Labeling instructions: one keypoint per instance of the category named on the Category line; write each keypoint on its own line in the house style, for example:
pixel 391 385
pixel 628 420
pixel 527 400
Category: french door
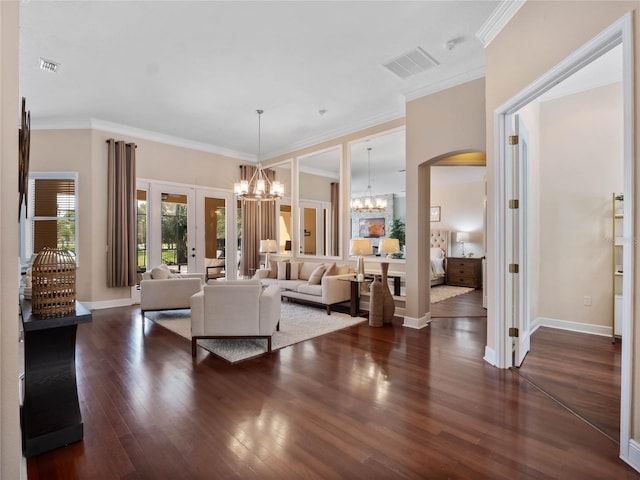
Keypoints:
pixel 186 228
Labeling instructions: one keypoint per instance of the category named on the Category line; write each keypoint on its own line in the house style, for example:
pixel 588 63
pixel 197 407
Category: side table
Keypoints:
pixel 354 306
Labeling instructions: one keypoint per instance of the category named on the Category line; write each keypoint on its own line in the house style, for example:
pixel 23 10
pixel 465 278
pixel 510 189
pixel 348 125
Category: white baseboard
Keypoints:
pixel 489 355
pixel 634 454
pixel 417 323
pixel 119 302
pixel 568 325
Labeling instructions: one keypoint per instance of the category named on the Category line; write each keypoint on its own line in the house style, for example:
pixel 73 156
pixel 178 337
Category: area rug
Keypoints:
pixel 297 324
pixel 442 292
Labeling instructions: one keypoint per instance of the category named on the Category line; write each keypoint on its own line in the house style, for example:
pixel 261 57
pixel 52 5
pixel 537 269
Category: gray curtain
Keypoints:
pixel 268 214
pixel 121 214
pixel 335 219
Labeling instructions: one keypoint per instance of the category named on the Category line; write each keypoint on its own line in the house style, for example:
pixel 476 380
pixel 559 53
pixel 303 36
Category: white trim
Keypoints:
pixel 572 326
pixel 121 129
pixel 417 323
pixel 498 19
pixel 633 458
pixel 102 304
pixel 489 356
pixel 445 84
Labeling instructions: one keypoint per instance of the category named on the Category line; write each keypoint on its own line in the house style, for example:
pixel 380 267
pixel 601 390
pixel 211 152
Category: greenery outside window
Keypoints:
pixel 52 214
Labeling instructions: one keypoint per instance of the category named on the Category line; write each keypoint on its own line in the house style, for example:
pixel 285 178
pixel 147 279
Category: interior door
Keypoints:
pixel 518 264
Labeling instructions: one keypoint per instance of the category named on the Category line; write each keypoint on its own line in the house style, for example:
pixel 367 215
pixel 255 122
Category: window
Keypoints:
pixel 51 216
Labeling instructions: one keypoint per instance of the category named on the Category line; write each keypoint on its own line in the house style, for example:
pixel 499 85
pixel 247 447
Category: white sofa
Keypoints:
pixel 235 309
pixel 162 290
pixel 331 289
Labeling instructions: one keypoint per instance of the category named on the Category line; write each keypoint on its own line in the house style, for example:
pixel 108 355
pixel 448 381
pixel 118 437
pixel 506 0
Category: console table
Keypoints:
pixel 50 414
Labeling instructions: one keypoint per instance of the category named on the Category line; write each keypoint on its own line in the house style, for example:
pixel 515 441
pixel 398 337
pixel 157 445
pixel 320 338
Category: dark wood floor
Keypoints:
pixel 582 371
pixel 363 402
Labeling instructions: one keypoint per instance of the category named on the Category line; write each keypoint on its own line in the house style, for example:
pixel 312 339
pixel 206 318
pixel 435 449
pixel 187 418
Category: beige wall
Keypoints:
pixel 540 36
pixel 10 440
pixel 85 151
pixel 581 166
pixel 460 210
pixel 450 121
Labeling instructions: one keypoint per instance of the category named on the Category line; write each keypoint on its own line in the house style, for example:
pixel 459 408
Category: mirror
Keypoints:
pixel 285 225
pixel 319 186
pixel 378 177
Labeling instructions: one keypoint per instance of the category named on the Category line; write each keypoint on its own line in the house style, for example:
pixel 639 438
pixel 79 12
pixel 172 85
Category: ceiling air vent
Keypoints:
pixel 411 63
pixel 49 65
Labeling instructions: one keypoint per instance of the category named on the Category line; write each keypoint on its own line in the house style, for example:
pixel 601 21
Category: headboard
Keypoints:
pixel 440 238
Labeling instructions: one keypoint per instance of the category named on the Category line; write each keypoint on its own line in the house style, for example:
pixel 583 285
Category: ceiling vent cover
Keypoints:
pixel 411 63
pixel 49 65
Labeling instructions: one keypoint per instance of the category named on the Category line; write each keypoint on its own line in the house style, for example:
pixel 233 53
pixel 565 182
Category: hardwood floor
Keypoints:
pixel 581 371
pixel 363 402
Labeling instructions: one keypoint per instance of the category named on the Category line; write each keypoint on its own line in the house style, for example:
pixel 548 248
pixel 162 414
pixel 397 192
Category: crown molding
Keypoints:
pixel 120 129
pixel 502 14
pixel 445 84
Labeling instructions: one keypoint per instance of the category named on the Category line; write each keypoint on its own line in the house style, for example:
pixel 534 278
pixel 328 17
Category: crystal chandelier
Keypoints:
pixel 259 188
pixel 369 204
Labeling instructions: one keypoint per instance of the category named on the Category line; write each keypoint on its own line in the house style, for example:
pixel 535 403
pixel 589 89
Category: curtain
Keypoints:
pixel 259 222
pixel 121 214
pixel 335 219
pixel 250 247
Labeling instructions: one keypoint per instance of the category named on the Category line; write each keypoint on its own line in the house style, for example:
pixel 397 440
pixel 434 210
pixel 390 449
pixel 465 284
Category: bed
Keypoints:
pixel 439 246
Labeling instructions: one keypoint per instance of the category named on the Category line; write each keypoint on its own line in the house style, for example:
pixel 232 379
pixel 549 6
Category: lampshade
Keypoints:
pixel 462 237
pixel 268 246
pixel 361 246
pixel 389 245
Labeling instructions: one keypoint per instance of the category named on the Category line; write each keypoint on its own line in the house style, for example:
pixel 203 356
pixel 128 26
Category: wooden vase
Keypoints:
pixel 376 303
pixel 389 305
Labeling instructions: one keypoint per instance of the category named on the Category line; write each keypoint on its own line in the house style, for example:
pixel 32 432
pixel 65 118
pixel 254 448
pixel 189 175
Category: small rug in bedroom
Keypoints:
pixel 297 323
pixel 442 292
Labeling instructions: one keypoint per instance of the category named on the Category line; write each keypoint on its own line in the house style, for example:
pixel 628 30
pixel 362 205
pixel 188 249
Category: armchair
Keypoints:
pixel 168 293
pixel 235 309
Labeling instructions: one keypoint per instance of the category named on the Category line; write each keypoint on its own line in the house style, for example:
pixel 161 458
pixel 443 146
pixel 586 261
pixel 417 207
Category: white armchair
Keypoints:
pixel 235 309
pixel 168 293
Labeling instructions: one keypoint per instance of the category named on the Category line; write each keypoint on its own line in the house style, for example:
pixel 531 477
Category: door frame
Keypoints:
pixel 620 32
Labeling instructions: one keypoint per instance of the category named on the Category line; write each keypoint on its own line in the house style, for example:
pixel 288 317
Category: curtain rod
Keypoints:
pixel 111 139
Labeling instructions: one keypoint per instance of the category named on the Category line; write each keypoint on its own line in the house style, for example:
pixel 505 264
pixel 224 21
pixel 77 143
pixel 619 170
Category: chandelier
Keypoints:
pixel 259 187
pixel 369 204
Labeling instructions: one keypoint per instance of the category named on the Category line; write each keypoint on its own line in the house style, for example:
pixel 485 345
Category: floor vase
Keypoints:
pixel 376 303
pixel 389 305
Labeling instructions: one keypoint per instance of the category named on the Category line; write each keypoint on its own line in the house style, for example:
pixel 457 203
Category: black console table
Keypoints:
pixel 50 414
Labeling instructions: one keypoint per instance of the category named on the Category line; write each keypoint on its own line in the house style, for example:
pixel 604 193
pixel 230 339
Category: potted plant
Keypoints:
pixel 397 231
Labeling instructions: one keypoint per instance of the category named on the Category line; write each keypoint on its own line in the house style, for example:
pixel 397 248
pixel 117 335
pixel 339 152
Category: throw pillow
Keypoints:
pixel 316 276
pixel 160 273
pixel 342 269
pixel 287 271
pixel 282 270
pixel 330 269
pixel 295 270
pixel 273 269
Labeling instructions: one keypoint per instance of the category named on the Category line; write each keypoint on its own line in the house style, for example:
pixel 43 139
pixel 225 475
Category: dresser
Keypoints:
pixel 464 272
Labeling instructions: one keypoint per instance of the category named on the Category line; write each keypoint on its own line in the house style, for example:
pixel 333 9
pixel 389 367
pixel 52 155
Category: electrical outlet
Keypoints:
pixel 587 301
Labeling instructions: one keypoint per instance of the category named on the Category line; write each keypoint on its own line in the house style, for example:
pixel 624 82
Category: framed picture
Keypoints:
pixel 371 227
pixel 435 214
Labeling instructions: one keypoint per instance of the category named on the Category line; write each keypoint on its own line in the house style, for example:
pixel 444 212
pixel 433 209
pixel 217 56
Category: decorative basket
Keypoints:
pixel 53 281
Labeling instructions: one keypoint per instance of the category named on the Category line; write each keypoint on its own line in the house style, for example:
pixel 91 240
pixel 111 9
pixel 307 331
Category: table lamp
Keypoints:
pixel 389 246
pixel 462 237
pixel 267 247
pixel 359 248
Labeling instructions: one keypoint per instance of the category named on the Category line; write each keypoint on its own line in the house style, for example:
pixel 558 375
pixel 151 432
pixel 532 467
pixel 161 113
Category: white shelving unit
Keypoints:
pixel 616 256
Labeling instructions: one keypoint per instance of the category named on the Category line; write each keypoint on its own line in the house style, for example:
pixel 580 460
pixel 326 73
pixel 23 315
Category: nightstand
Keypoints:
pixel 464 272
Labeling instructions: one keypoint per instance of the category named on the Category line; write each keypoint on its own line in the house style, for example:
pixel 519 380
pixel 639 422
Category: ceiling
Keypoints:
pixel 197 71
